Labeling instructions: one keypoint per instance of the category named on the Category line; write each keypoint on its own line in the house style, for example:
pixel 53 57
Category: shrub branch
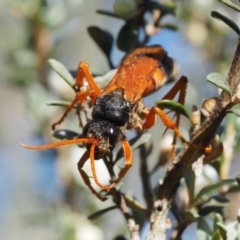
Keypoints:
pixel 184 160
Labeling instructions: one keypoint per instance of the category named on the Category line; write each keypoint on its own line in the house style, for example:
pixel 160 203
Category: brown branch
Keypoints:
pixel 184 160
pixel 118 198
pixel 145 178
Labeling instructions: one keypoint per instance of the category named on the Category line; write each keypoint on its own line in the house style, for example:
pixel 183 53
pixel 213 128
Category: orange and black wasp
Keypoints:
pixel 119 106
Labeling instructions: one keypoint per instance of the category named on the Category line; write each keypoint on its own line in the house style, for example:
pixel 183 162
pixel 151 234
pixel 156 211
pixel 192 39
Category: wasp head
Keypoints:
pixel 107 134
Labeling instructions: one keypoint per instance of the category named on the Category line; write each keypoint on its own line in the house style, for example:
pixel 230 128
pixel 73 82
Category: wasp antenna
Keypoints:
pixel 62 143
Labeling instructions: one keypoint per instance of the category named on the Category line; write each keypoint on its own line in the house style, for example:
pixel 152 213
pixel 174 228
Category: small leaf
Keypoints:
pixel 193 214
pixel 103 39
pixel 203 230
pixel 153 5
pixel 107 13
pixel 135 143
pixel 222 230
pixel 218 80
pixel 221 226
pixel 190 182
pixel 212 187
pixel 174 106
pixel 219 198
pixel 138 141
pixel 226 20
pixel 101 212
pixel 217 219
pixel 204 211
pixel 65 134
pixel 213 204
pixel 238 216
pixel 216 235
pixel 230 4
pixel 61 71
pixel 238 181
pixel 127 37
pixel 126 9
pixel 234 111
pixel 118 186
pixel 58 103
pixel 168 26
pixel 133 203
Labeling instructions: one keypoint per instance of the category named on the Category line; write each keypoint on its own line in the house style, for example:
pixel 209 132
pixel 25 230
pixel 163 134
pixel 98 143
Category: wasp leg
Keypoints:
pixel 79 98
pixel 85 177
pixel 93 92
pixel 84 72
pixel 92 150
pixel 128 162
pixel 179 87
pixel 150 121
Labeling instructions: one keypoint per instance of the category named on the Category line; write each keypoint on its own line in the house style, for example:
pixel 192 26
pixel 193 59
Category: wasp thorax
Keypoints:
pixel 112 107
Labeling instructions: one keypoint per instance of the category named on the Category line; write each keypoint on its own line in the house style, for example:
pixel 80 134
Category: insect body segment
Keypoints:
pixel 141 72
pixel 119 107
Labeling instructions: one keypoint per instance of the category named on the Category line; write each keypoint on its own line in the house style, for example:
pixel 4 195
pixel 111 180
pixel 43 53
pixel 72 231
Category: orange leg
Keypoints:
pixel 84 72
pixel 180 87
pixel 128 162
pixel 150 121
pixel 107 188
pixel 85 177
pixel 79 98
pixel 93 92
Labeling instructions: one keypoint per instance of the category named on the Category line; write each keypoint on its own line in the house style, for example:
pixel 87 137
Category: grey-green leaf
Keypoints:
pixel 174 106
pixel 65 134
pixel 153 5
pixel 221 226
pixel 235 111
pixel 101 212
pixel 218 80
pixel 238 216
pixel 230 4
pixel 169 26
pixel 203 230
pixel 193 214
pixel 222 230
pixel 226 20
pixel 212 187
pixel 103 39
pixel 127 37
pixel 204 211
pixel 135 143
pixel 60 69
pixel 190 178
pixel 216 235
pixel 107 13
pixel 58 103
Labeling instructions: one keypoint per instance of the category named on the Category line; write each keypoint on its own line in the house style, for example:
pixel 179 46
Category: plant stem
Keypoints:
pixel 230 4
pixel 184 160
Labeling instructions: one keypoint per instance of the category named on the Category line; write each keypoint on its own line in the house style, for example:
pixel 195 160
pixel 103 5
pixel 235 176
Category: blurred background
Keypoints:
pixel 41 193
